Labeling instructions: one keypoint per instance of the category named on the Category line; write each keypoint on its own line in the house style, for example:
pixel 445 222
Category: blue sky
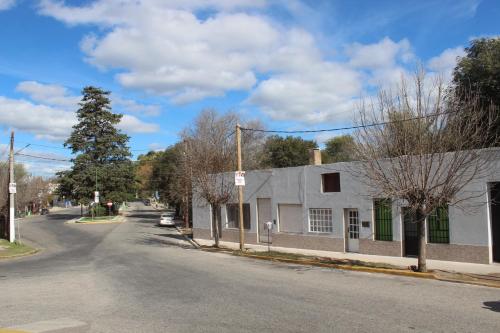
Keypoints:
pixel 292 64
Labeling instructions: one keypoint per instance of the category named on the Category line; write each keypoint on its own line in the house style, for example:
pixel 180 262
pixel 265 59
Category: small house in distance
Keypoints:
pixel 326 207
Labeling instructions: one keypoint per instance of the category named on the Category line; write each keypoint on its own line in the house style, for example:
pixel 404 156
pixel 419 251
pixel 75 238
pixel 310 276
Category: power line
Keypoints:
pixel 44 158
pixel 345 128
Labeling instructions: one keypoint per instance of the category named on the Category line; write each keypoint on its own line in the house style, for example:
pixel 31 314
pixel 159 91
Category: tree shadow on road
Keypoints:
pixel 493 306
pixel 170 240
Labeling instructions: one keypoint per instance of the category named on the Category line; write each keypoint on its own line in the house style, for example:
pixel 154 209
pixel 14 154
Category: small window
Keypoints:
pixel 232 212
pixel 331 182
pixel 320 220
pixel 383 219
pixel 439 227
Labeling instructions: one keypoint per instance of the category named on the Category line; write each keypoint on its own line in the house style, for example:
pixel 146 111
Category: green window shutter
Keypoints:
pixel 383 219
pixel 439 226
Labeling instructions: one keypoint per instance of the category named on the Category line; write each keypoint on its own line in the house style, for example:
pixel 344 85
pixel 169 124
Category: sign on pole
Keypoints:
pixel 109 204
pixel 239 178
pixel 96 196
pixel 12 188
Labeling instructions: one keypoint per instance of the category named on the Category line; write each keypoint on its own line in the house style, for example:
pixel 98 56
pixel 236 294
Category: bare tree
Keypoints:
pixel 415 147
pixel 211 152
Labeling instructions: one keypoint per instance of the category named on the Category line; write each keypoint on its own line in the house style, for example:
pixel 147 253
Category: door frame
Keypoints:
pixel 346 229
pixel 403 238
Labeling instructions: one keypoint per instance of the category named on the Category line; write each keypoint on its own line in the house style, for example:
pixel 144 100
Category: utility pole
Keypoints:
pixel 12 190
pixel 186 184
pixel 240 188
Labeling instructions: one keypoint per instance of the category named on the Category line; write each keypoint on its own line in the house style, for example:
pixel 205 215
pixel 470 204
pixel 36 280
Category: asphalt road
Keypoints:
pixel 133 277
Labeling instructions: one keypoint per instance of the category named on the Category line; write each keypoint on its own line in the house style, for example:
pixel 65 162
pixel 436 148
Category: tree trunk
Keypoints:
pixel 422 248
pixel 216 225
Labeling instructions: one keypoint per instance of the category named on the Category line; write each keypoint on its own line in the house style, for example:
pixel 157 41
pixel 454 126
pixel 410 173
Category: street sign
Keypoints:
pixel 109 204
pixel 96 197
pixel 239 178
pixel 12 188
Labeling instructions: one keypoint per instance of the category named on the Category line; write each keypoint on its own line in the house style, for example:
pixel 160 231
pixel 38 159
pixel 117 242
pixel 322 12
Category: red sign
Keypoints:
pixel 110 204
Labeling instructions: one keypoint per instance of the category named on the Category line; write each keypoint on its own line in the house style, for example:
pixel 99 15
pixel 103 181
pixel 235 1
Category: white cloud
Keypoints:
pixel 132 124
pixel 45 122
pixel 164 48
pixel 51 113
pixel 379 55
pixel 324 92
pixel 155 146
pixel 132 106
pixel 7 4
pixel 50 94
pixel 446 61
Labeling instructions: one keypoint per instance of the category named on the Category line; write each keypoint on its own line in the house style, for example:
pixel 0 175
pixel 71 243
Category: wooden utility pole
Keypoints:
pixel 240 188
pixel 12 184
pixel 187 181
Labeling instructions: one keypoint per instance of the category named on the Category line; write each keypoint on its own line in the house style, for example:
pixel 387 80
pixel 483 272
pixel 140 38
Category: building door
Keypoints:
pixel 290 218
pixel 265 214
pixel 352 228
pixel 495 220
pixel 411 234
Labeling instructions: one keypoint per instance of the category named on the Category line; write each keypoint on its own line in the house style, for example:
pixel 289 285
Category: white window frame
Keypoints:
pixel 324 224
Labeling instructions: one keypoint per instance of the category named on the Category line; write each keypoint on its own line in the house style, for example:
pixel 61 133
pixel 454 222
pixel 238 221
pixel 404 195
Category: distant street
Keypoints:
pixel 134 277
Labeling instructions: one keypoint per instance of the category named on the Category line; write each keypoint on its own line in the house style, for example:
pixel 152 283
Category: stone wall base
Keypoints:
pixel 321 243
pixel 445 252
pixel 381 248
pixel 461 253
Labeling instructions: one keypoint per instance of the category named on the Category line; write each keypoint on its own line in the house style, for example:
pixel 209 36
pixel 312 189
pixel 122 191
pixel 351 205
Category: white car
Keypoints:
pixel 167 219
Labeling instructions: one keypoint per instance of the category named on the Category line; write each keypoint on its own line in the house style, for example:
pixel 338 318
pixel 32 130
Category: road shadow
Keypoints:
pixel 493 306
pixel 169 240
pixel 60 217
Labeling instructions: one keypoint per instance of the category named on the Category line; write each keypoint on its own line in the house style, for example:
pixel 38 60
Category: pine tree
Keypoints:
pixel 103 161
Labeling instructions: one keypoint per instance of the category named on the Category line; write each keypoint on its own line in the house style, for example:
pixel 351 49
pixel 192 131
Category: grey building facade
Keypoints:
pixel 326 207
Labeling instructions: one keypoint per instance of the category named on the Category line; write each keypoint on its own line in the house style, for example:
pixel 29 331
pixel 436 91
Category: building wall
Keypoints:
pixel 469 224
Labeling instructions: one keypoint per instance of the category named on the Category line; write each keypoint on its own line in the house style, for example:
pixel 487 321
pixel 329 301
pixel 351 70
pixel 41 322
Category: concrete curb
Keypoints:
pixel 119 219
pixel 357 268
pixel 336 266
pixel 29 253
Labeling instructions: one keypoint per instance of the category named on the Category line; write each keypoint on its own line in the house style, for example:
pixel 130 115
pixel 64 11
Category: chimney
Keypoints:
pixel 315 156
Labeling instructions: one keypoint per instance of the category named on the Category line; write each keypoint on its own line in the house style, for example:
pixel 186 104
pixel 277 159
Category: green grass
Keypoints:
pixel 96 219
pixel 13 249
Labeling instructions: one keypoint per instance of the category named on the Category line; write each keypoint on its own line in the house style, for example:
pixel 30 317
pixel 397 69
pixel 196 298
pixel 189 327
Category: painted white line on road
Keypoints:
pixel 50 325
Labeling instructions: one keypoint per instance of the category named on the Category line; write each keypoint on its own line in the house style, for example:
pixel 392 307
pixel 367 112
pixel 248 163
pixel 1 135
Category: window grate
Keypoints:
pixel 439 226
pixel 383 219
pixel 320 220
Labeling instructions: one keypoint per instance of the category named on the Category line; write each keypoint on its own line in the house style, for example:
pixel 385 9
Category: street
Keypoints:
pixel 134 277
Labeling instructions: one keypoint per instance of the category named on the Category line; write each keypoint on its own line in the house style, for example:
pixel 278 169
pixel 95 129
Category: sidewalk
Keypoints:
pixel 449 266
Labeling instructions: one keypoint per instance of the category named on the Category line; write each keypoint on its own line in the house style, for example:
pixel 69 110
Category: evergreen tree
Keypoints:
pixel 282 152
pixel 478 72
pixel 103 161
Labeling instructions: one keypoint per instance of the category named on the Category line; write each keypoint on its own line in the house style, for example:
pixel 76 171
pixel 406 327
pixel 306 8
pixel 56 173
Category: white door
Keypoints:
pixel 352 224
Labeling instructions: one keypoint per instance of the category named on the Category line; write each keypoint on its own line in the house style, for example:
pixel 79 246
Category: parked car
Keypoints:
pixel 44 211
pixel 167 219
pixel 147 202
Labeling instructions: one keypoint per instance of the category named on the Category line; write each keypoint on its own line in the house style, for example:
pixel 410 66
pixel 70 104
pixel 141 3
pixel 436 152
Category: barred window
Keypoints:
pixel 320 220
pixel 383 219
pixel 438 224
pixel 233 217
